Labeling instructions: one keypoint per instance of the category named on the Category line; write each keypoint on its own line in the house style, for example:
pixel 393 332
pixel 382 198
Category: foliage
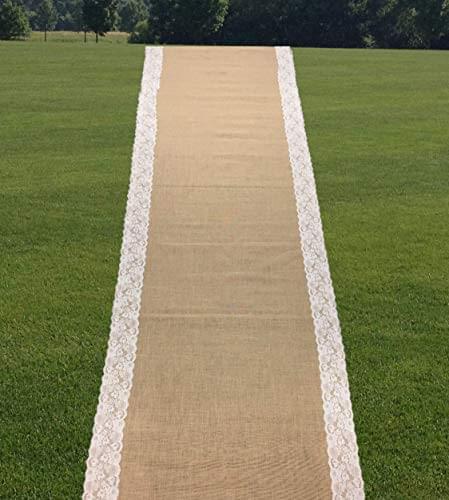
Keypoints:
pixel 100 15
pixel 322 23
pixel 74 19
pixel 293 22
pixel 13 21
pixel 46 16
pixel 185 21
pixel 339 23
pixel 140 34
pixel 408 23
pixel 130 13
pixel 325 23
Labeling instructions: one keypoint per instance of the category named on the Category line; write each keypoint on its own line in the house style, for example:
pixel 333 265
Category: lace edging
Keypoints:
pixel 103 463
pixel 346 476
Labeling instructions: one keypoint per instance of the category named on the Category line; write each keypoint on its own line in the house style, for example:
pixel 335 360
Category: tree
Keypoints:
pixel 139 33
pixel 405 23
pixel 328 23
pixel 432 21
pixel 185 21
pixel 100 16
pixel 76 15
pixel 46 16
pixel 14 22
pixel 130 13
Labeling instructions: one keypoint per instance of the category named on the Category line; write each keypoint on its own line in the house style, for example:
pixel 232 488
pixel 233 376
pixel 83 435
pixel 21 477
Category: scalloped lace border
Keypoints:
pixel 346 476
pixel 103 463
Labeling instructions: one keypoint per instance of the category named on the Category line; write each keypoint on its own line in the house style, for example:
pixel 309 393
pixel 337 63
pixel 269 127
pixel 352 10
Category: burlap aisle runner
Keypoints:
pixel 225 376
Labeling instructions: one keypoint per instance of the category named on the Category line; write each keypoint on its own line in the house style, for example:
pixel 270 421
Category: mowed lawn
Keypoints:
pixel 378 127
pixel 66 133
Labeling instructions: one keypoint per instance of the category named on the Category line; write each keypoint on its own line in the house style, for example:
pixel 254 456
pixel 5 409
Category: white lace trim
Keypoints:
pixel 103 464
pixel 347 482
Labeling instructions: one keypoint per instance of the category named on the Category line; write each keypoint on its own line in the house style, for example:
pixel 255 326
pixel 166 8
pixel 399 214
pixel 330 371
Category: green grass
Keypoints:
pixel 378 129
pixel 66 133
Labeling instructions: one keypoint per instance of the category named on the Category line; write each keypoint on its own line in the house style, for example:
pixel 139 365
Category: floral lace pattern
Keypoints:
pixel 103 464
pixel 346 477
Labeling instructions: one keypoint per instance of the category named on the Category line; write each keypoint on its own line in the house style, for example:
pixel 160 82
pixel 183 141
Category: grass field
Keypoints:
pixel 379 136
pixel 66 133
pixel 378 128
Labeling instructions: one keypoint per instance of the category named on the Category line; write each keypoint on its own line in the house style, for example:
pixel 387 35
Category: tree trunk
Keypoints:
pixel 85 36
pixel 45 34
pixel 96 37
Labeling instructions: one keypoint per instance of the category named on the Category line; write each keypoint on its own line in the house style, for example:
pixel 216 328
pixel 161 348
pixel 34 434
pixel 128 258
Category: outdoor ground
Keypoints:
pixel 66 133
pixel 379 137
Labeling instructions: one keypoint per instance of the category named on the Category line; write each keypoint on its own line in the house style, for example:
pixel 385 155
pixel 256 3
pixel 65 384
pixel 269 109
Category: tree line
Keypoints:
pixel 19 17
pixel 321 23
